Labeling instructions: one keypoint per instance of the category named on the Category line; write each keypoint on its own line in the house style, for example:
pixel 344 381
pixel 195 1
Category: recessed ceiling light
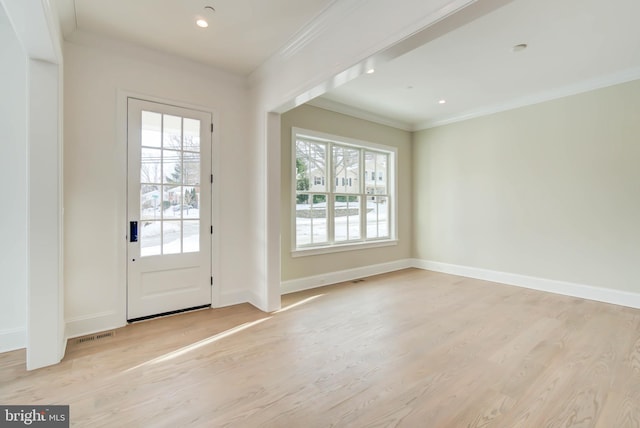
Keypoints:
pixel 442 102
pixel 371 71
pixel 519 48
pixel 202 23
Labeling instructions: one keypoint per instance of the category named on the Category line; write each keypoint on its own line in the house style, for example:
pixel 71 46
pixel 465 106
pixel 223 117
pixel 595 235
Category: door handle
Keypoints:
pixel 133 231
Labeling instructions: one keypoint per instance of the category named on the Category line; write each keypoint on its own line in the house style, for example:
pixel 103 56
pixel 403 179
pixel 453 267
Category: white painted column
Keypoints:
pixel 44 255
pixel 13 173
pixel 273 263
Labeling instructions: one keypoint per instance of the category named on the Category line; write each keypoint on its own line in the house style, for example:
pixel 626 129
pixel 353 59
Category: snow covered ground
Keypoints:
pixel 173 212
pixel 173 236
pixel 170 236
pixel 314 230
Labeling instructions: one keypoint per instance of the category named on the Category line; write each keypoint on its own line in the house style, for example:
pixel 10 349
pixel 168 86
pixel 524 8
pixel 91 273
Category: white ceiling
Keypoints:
pixel 241 35
pixel 573 45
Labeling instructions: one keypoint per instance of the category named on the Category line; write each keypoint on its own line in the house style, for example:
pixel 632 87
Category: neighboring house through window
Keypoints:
pixel 343 192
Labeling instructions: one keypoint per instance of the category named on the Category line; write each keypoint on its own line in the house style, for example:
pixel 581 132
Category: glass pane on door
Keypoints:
pixel 191 135
pixel 170 177
pixel 151 130
pixel 171 132
pixel 150 166
pixel 150 202
pixel 150 238
pixel 191 236
pixel 191 168
pixel 171 237
pixel 172 166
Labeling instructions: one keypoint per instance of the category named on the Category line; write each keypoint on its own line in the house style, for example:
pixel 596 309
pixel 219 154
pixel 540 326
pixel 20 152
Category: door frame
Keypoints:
pixel 121 146
pixel 173 295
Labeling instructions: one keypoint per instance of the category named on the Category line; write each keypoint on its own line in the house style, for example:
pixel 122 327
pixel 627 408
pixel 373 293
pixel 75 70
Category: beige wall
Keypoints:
pixel 551 190
pixel 321 120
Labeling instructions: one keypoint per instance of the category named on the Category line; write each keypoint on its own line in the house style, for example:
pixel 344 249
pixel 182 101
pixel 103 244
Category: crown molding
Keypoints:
pixel 584 86
pixel 348 110
pixel 314 28
pixel 68 16
pixel 35 24
pixel 588 85
pixel 296 62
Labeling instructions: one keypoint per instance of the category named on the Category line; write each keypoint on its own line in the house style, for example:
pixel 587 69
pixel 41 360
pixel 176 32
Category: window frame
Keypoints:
pixel 332 245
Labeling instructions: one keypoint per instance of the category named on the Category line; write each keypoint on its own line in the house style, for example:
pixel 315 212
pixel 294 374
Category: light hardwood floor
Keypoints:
pixel 412 349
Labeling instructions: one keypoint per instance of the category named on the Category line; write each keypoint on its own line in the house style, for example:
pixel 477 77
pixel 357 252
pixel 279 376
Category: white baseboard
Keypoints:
pixel 12 339
pixel 109 320
pixel 235 298
pixel 589 292
pixel 94 323
pixel 256 300
pixel 310 282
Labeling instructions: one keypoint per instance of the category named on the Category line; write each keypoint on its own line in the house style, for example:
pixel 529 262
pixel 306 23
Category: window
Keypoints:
pixel 356 208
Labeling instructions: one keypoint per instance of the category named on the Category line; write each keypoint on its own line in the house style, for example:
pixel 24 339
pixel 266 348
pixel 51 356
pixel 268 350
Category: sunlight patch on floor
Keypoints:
pixel 197 345
pixel 300 303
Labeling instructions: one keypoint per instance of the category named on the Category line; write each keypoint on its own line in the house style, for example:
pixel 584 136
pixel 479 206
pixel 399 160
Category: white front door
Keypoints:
pixel 169 209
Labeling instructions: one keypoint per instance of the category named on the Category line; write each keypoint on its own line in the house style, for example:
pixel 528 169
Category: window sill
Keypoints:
pixel 314 251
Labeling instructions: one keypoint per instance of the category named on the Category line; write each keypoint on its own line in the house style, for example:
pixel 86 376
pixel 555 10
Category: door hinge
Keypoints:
pixel 212 128
pixel 211 280
pixel 212 230
pixel 212 178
